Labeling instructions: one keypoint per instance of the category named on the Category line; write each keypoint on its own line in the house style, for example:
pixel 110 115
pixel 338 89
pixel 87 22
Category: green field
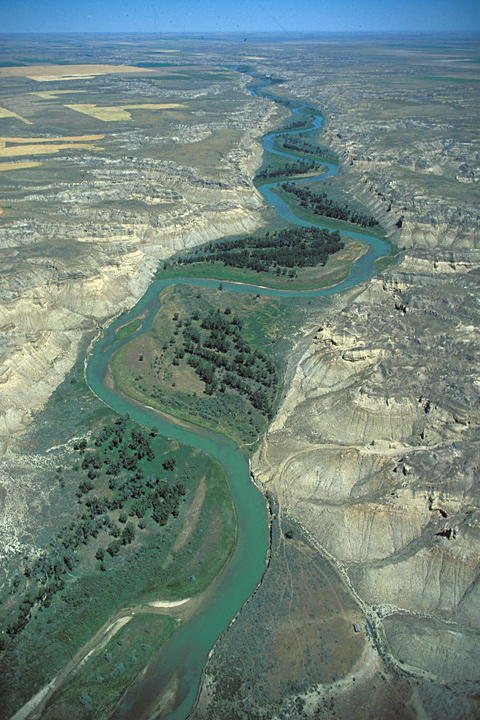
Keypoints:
pixel 100 681
pixel 126 330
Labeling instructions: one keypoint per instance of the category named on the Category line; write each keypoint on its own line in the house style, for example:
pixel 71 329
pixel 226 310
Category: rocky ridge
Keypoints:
pixel 375 450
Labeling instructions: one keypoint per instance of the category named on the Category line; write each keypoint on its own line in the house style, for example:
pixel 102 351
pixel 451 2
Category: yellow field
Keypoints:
pixel 17 166
pixel 4 113
pixel 53 94
pixel 16 151
pixel 118 112
pixel 17 146
pixel 47 73
pixel 74 138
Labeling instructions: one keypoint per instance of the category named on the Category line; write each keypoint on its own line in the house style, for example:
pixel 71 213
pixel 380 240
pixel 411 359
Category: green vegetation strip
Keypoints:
pixel 303 149
pixel 320 204
pixel 280 252
pixel 288 169
pixel 309 214
pixel 305 279
pixel 108 672
pixel 126 330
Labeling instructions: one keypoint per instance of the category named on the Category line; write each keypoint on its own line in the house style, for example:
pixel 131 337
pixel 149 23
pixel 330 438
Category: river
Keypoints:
pixel 177 668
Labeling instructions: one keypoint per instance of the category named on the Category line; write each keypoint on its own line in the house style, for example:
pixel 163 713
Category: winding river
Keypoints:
pixel 177 668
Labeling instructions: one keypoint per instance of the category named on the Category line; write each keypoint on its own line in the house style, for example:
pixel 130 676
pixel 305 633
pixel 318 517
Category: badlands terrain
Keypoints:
pixel 371 461
pixel 105 171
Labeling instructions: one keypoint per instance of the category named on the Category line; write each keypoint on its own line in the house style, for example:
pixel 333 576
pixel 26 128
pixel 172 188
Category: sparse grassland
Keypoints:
pixel 304 640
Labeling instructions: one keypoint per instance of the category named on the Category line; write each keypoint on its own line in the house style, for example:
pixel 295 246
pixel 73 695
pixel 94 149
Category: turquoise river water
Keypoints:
pixel 179 664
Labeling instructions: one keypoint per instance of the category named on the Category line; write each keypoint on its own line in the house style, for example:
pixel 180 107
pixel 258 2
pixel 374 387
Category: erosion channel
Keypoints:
pixel 172 680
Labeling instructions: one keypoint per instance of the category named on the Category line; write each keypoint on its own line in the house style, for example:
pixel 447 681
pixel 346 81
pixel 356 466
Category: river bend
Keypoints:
pixel 179 664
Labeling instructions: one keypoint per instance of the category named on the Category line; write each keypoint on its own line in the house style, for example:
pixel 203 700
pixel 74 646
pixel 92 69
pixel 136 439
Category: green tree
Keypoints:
pixel 128 534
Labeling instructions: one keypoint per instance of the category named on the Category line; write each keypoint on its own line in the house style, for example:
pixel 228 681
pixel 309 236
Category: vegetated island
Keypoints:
pixel 203 362
pixel 304 149
pixel 279 252
pixel 301 167
pixel 321 204
pixel 294 258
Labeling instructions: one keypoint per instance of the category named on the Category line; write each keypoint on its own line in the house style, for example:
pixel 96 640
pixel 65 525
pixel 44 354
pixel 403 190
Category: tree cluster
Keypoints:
pixel 298 168
pixel 275 252
pixel 320 204
pixel 116 454
pixel 297 144
pixel 221 357
pixel 298 124
pixel 213 345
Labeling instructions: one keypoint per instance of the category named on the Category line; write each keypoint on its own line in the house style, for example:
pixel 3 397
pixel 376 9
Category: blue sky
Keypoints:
pixel 238 15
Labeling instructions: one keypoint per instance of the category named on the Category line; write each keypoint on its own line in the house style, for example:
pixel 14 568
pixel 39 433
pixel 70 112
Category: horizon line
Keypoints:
pixel 201 33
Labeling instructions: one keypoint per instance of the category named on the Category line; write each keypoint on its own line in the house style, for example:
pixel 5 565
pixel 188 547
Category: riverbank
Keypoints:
pixel 238 580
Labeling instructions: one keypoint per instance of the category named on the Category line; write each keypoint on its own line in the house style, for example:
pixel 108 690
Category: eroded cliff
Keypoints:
pixel 375 449
pixel 82 236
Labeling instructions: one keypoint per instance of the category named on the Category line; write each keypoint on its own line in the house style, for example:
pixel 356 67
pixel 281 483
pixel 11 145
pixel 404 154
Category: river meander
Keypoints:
pixel 177 668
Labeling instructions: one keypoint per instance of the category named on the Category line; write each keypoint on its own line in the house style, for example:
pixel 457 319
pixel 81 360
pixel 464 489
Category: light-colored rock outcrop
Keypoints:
pixel 46 316
pixel 374 447
pixel 76 254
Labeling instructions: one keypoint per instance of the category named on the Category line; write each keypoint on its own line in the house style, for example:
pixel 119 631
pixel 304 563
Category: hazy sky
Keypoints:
pixel 237 15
